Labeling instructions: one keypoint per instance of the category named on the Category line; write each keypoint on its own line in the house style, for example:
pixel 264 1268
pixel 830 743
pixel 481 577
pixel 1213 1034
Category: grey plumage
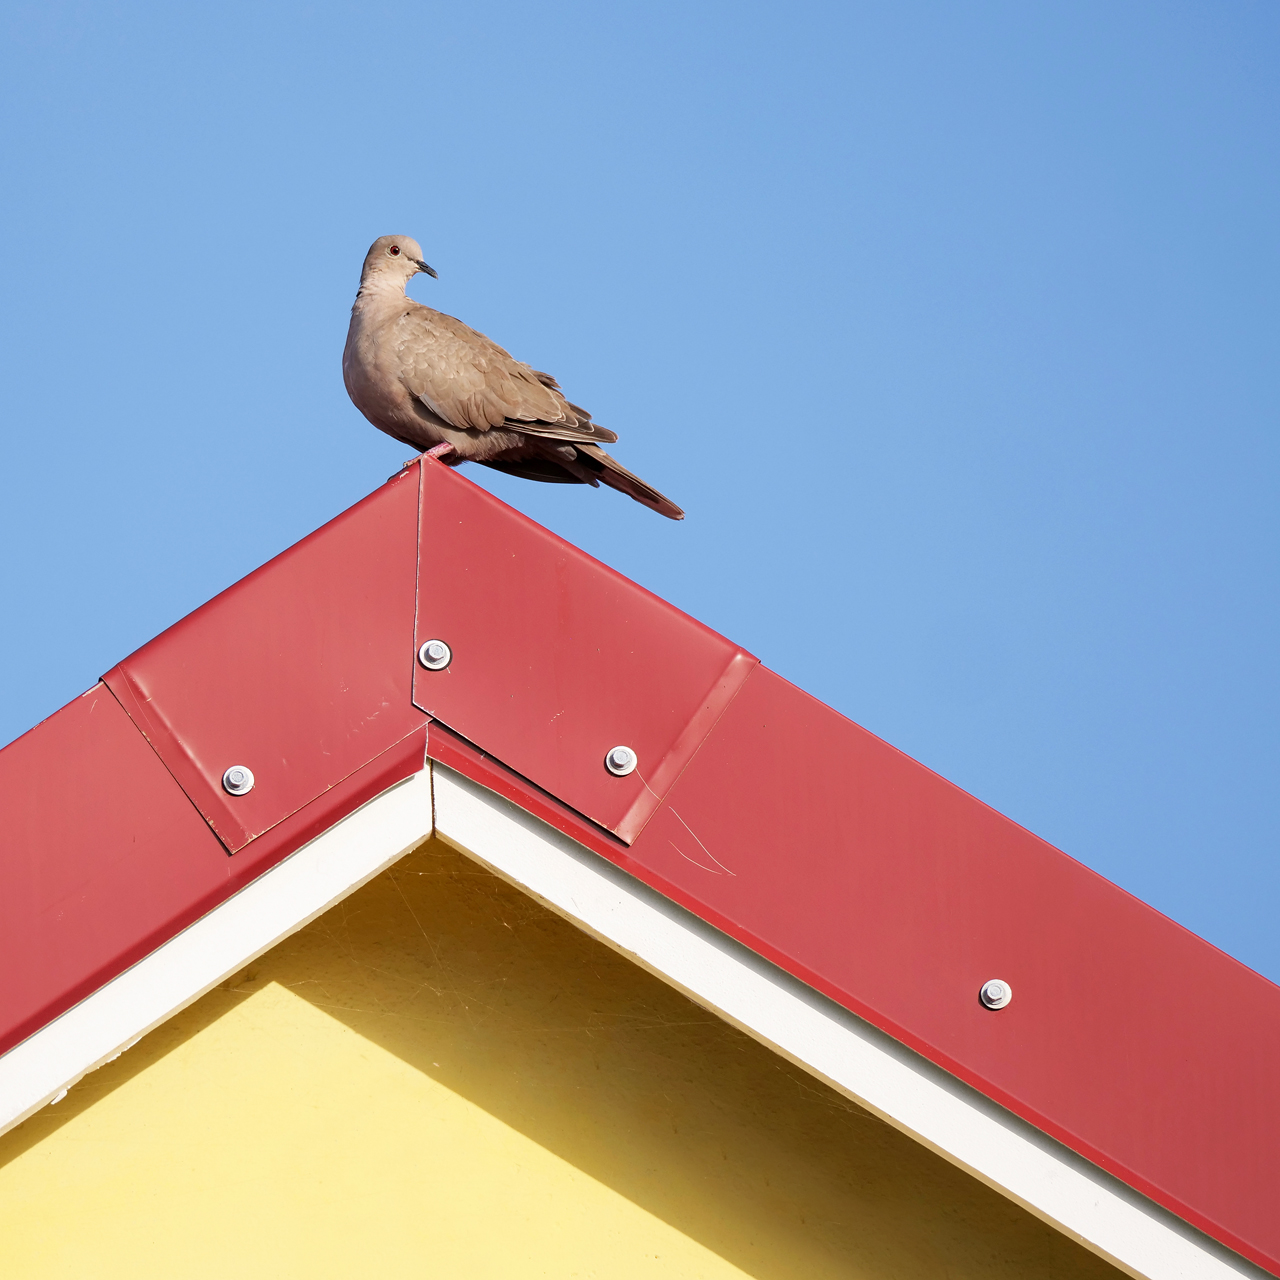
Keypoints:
pixel 427 379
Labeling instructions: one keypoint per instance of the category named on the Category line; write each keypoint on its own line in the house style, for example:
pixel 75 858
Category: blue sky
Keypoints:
pixel 953 327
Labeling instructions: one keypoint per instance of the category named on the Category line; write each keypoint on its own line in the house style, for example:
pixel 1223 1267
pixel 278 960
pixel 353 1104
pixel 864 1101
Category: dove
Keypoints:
pixel 431 382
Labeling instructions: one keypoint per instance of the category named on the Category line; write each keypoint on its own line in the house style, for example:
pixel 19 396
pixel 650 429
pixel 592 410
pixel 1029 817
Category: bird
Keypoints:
pixel 432 382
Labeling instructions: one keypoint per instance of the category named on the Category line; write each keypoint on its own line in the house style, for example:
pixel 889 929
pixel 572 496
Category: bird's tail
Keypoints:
pixel 611 472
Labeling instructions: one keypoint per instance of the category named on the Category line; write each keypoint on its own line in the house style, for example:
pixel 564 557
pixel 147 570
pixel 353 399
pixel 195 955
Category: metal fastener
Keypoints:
pixel 435 655
pixel 238 780
pixel 621 761
pixel 995 993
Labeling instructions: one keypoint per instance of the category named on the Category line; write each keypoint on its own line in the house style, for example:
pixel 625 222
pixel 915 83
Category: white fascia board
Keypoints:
pixel 281 901
pixel 836 1046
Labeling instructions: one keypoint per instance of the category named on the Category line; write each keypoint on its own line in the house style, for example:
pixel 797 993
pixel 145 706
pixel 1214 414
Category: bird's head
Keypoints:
pixel 393 260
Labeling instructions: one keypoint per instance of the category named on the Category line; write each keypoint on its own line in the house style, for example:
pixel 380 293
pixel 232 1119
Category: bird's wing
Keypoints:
pixel 473 384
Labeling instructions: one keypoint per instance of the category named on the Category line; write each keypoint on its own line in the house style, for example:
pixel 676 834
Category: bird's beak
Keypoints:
pixel 422 266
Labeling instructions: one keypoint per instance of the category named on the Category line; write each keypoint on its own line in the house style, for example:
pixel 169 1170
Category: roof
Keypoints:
pixel 769 856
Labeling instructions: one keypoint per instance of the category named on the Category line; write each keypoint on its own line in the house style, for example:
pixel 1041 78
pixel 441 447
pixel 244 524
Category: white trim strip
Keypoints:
pixel 861 1062
pixel 279 902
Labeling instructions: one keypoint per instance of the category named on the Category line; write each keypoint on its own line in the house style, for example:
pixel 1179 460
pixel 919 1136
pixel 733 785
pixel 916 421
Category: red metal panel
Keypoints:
pixel 301 671
pixel 399 761
pixel 455 751
pixel 105 858
pixel 102 855
pixel 769 815
pixel 895 893
pixel 557 658
pixel 889 889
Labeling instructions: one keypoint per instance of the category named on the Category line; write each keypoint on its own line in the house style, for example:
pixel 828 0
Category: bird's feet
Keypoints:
pixel 440 451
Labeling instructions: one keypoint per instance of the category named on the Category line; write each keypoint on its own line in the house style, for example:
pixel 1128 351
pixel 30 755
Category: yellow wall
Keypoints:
pixel 439 1078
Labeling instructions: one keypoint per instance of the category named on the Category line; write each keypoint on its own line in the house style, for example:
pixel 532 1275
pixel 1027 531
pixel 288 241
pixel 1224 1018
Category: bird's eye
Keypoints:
pixel 394 250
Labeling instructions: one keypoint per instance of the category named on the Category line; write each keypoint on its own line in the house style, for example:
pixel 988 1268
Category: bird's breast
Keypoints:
pixel 372 376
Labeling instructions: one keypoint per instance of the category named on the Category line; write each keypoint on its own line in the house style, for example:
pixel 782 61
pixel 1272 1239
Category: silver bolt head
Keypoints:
pixel 435 655
pixel 995 993
pixel 621 761
pixel 238 780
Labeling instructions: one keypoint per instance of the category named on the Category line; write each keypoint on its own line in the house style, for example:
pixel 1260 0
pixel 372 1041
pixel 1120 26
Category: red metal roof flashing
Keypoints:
pixel 1135 1043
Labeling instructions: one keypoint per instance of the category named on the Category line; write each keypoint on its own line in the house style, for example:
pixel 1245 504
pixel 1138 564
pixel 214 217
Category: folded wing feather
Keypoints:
pixel 472 383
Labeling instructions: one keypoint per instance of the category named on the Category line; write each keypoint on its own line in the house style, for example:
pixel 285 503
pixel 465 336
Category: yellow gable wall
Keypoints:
pixel 440 1078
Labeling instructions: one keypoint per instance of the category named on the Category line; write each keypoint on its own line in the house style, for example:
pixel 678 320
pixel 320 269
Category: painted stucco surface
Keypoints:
pixel 441 1078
